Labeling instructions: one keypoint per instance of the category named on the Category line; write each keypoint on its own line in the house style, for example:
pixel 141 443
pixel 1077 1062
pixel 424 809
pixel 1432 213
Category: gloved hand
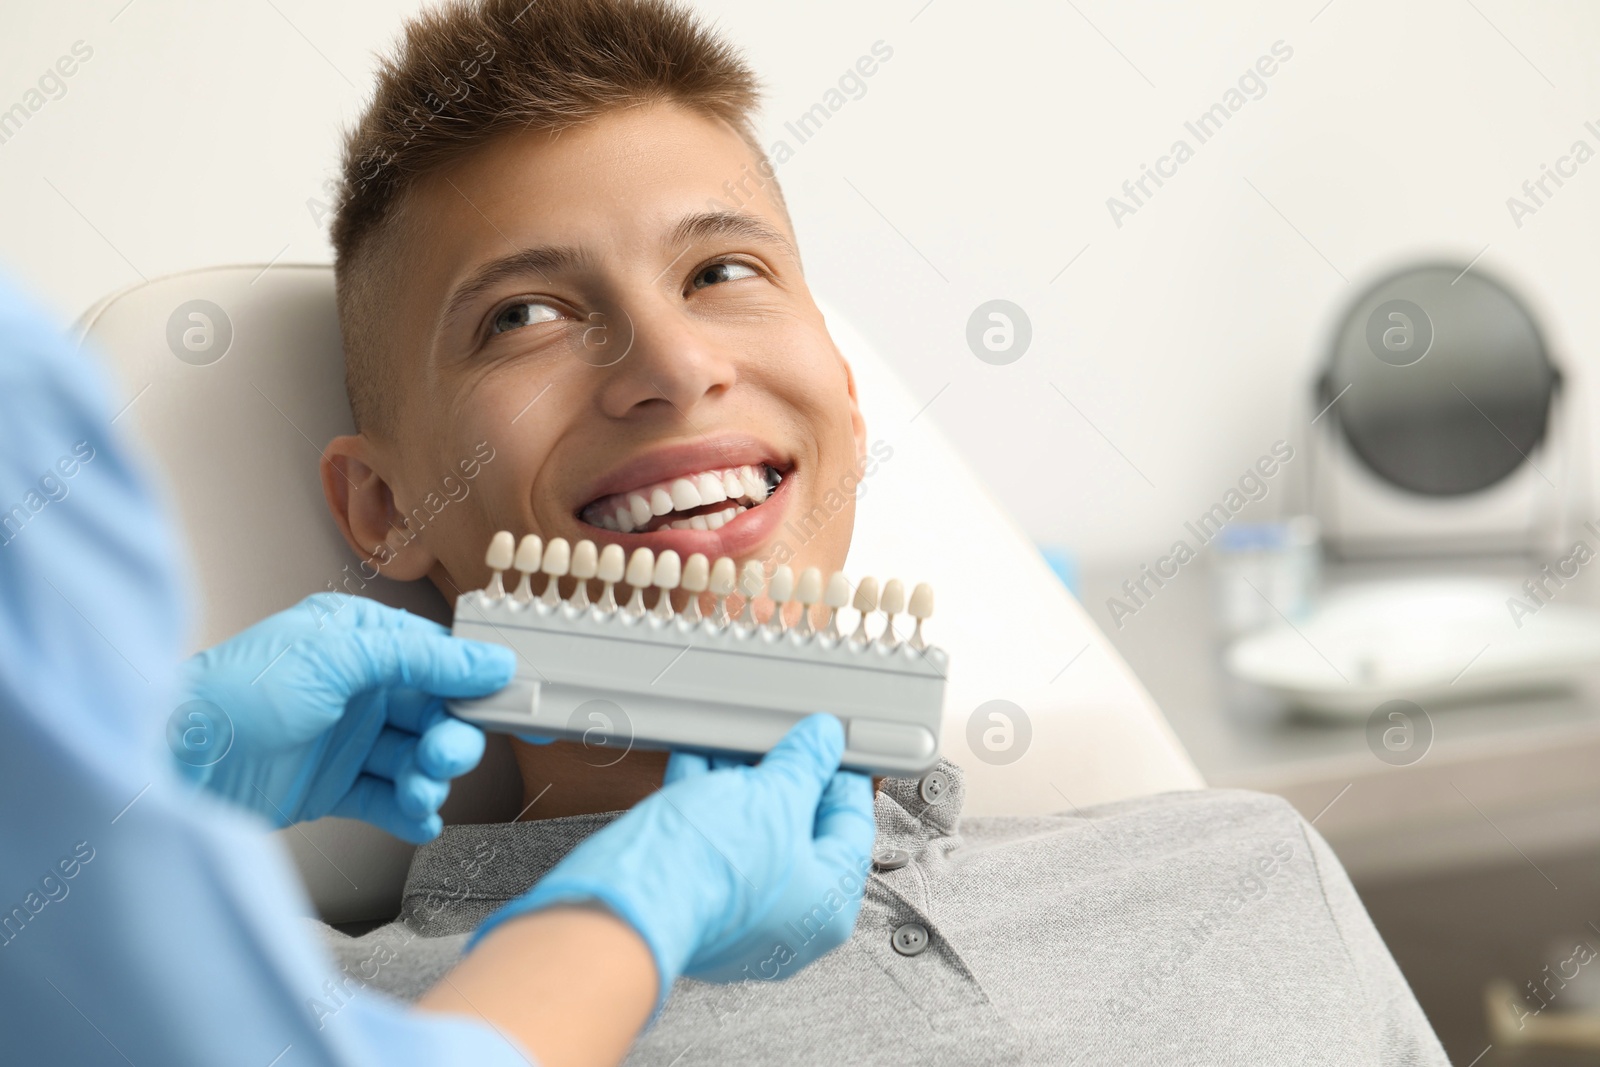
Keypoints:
pixel 332 707
pixel 730 871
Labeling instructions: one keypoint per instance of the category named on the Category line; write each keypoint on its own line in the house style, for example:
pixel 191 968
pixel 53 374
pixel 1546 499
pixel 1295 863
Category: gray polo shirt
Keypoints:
pixel 1204 927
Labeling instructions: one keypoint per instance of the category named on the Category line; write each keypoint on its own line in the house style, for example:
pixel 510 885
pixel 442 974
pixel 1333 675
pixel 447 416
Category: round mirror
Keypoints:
pixel 1442 381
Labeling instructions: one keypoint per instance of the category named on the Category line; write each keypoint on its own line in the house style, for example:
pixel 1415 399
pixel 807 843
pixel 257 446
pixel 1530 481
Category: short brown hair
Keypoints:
pixel 469 71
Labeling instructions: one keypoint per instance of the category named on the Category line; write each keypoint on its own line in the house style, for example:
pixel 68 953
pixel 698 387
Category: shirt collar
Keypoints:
pixel 501 861
pixel 938 810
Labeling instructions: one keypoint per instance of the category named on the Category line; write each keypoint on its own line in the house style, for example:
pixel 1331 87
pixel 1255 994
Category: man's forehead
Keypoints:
pixel 614 166
pixel 642 177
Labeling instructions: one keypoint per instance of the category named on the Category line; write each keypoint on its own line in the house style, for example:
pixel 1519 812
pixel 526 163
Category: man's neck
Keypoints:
pixel 567 778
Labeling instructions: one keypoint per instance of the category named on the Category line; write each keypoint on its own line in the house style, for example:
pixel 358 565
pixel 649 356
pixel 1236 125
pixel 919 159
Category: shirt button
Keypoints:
pixel 909 939
pixel 934 786
pixel 890 859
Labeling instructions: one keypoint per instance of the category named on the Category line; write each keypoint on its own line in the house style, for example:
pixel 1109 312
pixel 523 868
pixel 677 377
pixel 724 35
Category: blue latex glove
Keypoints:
pixel 332 707
pixel 731 872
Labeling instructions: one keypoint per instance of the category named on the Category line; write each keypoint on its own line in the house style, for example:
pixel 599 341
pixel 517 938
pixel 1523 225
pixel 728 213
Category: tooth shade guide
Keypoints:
pixel 696 579
pixel 921 609
pixel 724 580
pixel 917 641
pixel 691 612
pixel 640 574
pixel 499 557
pixel 668 573
pixel 891 603
pixel 808 591
pixel 780 589
pixel 865 602
pixel 888 697
pixel 836 596
pixel 557 559
pixel 530 551
pixel 610 569
pixel 585 565
pixel 752 580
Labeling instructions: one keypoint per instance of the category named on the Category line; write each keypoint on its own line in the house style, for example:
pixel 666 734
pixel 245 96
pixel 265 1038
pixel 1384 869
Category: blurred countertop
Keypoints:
pixel 1501 777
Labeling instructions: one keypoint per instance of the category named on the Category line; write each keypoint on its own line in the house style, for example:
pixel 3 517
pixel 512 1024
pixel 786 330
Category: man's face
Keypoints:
pixel 594 309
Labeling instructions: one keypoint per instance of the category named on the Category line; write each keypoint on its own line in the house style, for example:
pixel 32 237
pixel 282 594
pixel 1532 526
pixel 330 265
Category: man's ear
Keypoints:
pixel 858 425
pixel 362 503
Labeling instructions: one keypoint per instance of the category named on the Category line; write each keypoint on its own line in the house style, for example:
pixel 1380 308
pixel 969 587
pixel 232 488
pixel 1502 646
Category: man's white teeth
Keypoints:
pixel 711 521
pixel 710 487
pixel 685 495
pixel 744 487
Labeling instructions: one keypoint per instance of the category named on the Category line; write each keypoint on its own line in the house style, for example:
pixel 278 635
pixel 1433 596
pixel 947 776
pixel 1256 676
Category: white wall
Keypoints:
pixel 197 133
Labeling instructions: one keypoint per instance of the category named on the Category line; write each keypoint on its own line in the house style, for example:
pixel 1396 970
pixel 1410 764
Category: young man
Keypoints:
pixel 559 236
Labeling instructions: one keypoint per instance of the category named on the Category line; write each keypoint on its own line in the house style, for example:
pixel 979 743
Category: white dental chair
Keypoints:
pixel 233 400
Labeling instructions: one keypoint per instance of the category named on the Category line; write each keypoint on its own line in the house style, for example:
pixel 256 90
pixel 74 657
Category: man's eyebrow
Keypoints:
pixel 708 224
pixel 550 259
pixel 553 259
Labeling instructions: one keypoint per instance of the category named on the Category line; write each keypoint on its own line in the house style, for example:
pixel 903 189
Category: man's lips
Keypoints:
pixel 740 537
pixel 697 500
pixel 701 453
pixel 721 495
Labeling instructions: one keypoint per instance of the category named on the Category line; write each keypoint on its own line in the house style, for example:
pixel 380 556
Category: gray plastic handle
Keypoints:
pixel 615 679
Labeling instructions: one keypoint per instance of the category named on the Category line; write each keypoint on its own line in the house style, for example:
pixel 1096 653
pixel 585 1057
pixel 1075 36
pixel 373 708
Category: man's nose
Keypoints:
pixel 670 361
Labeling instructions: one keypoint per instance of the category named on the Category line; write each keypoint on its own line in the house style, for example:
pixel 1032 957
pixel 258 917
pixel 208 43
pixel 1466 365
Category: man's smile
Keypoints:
pixel 716 495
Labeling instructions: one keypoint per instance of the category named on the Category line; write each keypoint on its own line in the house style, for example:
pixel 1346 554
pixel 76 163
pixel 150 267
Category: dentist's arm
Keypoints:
pixel 573 984
pixel 140 920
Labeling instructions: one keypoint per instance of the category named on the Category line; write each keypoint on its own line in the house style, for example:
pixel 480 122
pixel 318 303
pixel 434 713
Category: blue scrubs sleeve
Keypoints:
pixel 140 921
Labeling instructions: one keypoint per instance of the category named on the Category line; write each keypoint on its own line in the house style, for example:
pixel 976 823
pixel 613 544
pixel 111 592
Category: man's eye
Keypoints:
pixel 525 313
pixel 723 272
